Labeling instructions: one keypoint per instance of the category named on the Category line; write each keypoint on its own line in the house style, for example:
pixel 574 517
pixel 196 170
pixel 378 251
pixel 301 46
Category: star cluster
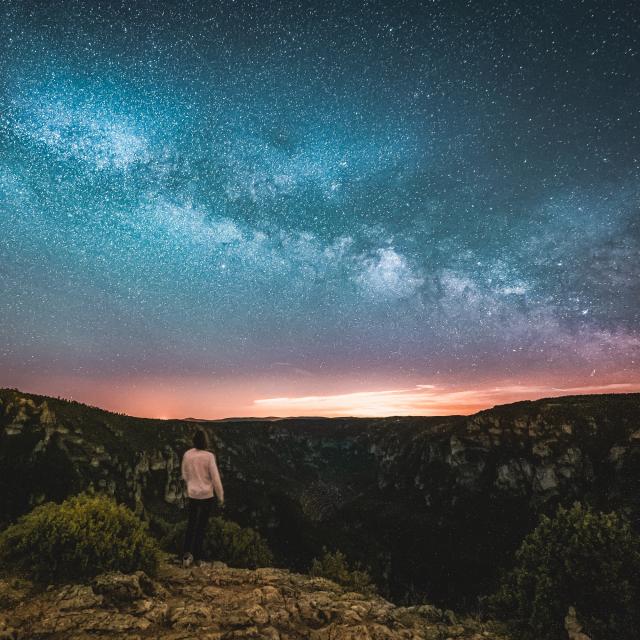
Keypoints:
pixel 254 200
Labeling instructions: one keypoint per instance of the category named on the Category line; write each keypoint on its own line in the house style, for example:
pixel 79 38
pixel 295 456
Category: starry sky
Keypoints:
pixel 215 208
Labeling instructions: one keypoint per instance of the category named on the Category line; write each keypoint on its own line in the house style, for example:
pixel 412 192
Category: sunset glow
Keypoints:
pixel 155 398
pixel 425 400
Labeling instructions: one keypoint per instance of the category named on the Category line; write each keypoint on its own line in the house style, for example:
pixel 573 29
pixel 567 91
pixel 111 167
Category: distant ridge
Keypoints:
pixel 247 419
pixel 267 418
pixel 517 404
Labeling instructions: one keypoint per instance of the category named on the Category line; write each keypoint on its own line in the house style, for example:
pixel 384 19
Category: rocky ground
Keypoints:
pixel 216 602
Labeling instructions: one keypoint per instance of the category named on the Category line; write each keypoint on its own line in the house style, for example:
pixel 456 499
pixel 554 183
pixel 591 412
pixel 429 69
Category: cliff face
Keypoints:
pixel 434 506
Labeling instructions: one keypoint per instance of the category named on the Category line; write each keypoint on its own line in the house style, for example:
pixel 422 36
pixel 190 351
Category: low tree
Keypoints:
pixel 579 558
pixel 334 566
pixel 228 542
pixel 83 536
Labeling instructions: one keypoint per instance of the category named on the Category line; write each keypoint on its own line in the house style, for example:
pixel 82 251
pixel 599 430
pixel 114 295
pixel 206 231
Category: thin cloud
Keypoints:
pixel 429 400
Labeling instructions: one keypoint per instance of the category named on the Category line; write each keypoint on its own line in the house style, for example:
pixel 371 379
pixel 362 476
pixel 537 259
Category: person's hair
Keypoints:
pixel 200 440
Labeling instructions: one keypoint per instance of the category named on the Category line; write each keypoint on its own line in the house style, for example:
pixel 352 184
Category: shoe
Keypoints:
pixel 187 560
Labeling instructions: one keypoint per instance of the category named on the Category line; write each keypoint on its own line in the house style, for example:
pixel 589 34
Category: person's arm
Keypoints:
pixel 185 476
pixel 215 477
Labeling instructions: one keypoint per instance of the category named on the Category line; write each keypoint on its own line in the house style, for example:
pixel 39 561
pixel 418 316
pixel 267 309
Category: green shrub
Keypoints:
pixel 228 542
pixel 83 536
pixel 579 558
pixel 334 566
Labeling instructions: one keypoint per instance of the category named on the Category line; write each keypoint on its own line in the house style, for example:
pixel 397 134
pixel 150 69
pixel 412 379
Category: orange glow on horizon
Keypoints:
pixel 201 399
pixel 427 400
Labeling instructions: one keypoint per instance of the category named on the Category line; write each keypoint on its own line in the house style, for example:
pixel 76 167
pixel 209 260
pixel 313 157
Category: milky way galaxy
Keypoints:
pixel 261 208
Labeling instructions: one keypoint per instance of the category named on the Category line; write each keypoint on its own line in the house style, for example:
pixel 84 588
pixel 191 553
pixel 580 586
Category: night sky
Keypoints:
pixel 287 208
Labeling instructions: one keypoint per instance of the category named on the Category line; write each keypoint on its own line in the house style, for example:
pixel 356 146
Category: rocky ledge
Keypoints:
pixel 216 602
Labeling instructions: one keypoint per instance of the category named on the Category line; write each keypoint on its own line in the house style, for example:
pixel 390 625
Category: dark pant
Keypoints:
pixel 199 511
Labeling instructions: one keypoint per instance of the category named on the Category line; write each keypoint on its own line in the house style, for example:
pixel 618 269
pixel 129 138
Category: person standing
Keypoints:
pixel 200 472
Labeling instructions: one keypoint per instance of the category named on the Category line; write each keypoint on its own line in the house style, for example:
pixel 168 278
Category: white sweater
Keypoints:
pixel 200 472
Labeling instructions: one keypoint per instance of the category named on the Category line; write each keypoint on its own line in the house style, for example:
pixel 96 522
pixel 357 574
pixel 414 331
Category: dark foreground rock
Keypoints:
pixel 217 603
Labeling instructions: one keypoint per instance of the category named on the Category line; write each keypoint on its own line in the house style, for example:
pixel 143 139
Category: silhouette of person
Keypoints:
pixel 200 472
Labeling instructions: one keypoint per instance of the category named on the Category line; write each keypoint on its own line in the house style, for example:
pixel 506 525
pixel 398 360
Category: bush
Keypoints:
pixel 334 566
pixel 226 541
pixel 83 536
pixel 580 558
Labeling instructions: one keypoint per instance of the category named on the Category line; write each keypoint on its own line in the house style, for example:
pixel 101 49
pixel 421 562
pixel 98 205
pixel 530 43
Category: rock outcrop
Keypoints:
pixel 220 603
pixel 573 627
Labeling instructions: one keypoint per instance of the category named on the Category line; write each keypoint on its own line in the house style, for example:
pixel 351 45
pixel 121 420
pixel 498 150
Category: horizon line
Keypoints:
pixel 632 388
